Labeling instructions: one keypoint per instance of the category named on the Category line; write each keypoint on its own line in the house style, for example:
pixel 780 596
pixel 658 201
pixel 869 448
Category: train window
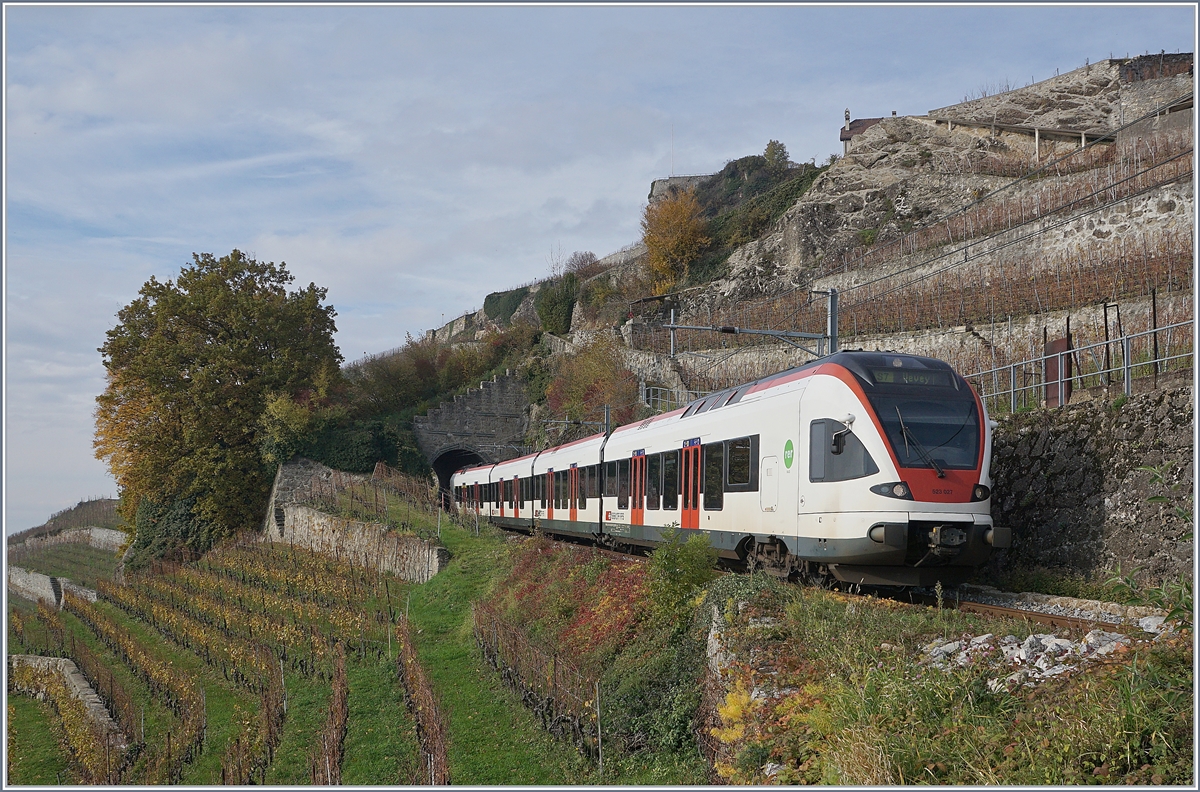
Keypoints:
pixel 851 461
pixel 670 476
pixel 623 484
pixel 610 479
pixel 539 489
pixel 741 474
pixel 653 480
pixel 584 476
pixel 560 490
pixel 593 489
pixel 714 491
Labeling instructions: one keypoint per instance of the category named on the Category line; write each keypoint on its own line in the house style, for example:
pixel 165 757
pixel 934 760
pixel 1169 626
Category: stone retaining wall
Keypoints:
pixel 80 689
pixel 100 538
pixel 366 544
pixel 33 586
pixel 1068 483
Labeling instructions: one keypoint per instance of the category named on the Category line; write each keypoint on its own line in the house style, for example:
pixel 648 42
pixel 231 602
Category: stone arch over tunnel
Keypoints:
pixel 494 416
pixel 451 459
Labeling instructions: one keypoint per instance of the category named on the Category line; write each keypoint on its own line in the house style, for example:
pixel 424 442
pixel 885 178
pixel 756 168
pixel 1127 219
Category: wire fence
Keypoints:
pixel 564 698
pixel 662 400
pixel 1035 382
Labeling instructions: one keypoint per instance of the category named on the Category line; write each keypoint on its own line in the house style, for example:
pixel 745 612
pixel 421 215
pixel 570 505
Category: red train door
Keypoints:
pixel 502 485
pixel 573 492
pixel 637 469
pixel 690 470
pixel 477 502
pixel 516 496
pixel 550 494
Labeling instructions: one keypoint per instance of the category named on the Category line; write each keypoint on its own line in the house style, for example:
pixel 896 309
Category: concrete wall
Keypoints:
pixel 662 188
pixel 1068 483
pixel 365 544
pixel 291 480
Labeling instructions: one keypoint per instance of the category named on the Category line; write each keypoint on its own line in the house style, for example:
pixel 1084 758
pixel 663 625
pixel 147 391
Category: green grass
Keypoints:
pixel 81 563
pixel 38 756
pixel 222 699
pixel 864 714
pixel 381 738
pixel 308 701
pixel 158 719
pixel 493 738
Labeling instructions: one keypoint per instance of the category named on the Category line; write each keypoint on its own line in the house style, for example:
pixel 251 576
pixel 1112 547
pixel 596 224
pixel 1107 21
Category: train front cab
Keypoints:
pixel 897 486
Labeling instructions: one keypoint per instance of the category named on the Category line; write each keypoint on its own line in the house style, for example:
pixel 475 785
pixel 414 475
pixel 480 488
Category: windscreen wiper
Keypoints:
pixel 907 434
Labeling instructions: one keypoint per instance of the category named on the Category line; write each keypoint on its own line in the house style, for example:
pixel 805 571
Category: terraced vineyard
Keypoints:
pixel 78 562
pixel 230 661
pixel 269 664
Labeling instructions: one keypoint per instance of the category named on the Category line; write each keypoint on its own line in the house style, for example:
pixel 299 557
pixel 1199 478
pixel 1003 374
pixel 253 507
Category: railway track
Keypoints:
pixel 1020 614
pixel 922 598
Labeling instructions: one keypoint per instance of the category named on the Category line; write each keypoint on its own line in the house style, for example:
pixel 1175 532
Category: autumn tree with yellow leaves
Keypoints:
pixel 673 232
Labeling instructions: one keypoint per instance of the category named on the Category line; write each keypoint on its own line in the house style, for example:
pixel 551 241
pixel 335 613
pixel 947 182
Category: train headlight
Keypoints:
pixel 897 489
pixel 980 493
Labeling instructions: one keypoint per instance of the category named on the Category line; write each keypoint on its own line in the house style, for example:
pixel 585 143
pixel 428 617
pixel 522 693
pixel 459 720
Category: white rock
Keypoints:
pixel 979 640
pixel 1030 649
pixel 946 649
pixel 771 769
pixel 1101 642
pixel 1151 624
pixel 1058 646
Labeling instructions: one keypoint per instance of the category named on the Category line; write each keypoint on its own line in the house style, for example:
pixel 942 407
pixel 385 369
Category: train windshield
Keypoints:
pixel 930 428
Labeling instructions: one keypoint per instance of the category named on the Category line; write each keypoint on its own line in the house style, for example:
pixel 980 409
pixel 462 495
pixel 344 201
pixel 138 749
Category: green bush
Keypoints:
pixel 555 302
pixel 356 447
pixel 679 569
pixel 741 202
pixel 500 306
pixel 168 530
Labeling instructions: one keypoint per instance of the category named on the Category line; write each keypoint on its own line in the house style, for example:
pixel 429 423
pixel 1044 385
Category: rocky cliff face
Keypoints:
pixel 905 172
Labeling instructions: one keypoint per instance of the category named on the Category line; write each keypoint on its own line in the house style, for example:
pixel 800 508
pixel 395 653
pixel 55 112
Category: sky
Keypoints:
pixel 414 159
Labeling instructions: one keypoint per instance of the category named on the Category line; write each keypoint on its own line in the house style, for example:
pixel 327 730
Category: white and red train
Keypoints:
pixel 870 467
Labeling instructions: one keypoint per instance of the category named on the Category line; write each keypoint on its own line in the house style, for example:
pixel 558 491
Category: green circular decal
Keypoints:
pixel 789 453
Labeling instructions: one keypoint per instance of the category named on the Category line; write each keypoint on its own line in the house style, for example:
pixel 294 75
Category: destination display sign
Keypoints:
pixel 902 376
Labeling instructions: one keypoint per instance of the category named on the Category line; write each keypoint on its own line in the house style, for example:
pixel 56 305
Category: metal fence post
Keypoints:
pixel 1062 376
pixel 1126 348
pixel 1012 388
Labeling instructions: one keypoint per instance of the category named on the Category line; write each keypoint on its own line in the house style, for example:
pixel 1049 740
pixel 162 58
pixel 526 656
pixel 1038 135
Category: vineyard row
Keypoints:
pixel 1164 158
pixel 557 692
pixel 179 693
pixel 1010 286
pixel 424 706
